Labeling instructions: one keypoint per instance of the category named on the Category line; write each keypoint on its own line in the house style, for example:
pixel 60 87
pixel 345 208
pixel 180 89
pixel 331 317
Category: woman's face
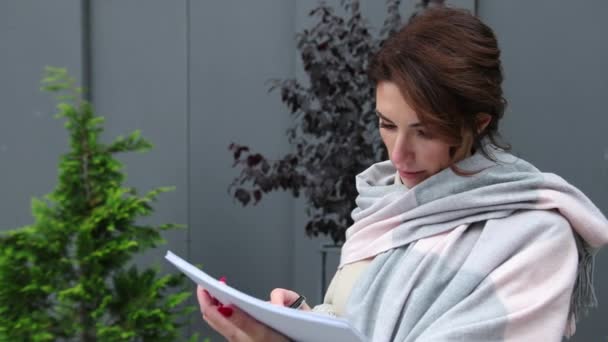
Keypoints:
pixel 413 150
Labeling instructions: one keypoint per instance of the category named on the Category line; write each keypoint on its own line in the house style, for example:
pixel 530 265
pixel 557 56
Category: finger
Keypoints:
pixel 205 300
pixel 283 297
pixel 240 326
pixel 229 327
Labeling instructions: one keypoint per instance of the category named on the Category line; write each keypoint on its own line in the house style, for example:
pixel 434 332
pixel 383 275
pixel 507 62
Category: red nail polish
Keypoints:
pixel 223 279
pixel 225 311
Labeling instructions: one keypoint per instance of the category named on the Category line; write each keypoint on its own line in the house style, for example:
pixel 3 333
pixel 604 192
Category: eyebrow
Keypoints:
pixel 414 125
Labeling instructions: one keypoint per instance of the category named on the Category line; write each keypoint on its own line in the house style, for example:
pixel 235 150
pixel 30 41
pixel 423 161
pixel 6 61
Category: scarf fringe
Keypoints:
pixel 583 296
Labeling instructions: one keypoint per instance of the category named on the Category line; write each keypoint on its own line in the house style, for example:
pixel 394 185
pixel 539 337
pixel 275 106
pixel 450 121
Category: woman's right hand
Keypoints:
pixel 232 323
pixel 283 297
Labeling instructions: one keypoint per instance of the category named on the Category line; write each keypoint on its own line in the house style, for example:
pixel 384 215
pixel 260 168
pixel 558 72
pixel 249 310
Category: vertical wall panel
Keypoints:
pixel 236 47
pixel 33 34
pixel 139 75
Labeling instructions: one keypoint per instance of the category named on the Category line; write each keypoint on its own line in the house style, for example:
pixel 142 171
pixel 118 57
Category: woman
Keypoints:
pixel 453 238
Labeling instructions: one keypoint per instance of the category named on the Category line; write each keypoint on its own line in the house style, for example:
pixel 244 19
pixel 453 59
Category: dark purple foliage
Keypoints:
pixel 335 127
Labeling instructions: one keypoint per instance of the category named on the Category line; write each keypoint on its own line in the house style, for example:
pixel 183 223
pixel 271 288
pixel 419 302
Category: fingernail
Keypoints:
pixel 223 279
pixel 225 311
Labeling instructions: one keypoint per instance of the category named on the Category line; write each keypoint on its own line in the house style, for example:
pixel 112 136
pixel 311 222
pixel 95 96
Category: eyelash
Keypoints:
pixel 422 134
pixel 386 126
pixel 419 132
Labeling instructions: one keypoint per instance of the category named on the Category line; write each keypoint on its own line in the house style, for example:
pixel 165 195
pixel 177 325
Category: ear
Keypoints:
pixel 482 121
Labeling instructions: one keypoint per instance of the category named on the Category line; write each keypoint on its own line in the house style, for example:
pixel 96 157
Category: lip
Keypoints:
pixel 409 175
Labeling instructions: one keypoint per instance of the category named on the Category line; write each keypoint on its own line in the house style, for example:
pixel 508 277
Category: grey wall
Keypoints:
pixel 191 75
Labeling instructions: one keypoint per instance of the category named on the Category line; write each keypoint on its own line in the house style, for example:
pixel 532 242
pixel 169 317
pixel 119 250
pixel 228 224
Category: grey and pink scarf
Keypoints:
pixel 503 255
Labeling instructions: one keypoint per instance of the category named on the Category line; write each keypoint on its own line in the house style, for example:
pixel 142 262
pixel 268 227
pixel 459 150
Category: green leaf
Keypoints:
pixel 178 298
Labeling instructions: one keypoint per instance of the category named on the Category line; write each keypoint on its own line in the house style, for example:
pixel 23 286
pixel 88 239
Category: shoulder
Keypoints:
pixel 541 229
pixel 531 245
pixel 536 222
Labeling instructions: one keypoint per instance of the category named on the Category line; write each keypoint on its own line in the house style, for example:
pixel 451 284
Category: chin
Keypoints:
pixel 411 184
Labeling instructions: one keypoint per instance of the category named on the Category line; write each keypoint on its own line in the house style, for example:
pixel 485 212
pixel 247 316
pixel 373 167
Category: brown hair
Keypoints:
pixel 446 62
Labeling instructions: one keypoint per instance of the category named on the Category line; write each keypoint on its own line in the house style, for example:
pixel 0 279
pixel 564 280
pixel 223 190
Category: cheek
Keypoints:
pixel 388 141
pixel 436 156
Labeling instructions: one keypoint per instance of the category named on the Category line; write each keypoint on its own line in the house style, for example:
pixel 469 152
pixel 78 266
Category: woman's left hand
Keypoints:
pixel 234 324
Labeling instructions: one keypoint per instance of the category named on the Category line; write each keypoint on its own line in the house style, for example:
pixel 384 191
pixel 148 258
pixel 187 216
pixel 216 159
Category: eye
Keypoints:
pixel 387 125
pixel 422 133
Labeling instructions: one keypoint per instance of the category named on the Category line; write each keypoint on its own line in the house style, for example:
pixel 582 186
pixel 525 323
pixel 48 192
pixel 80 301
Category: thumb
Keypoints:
pixel 283 297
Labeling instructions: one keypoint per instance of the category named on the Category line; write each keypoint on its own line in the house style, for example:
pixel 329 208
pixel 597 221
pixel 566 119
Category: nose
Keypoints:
pixel 403 152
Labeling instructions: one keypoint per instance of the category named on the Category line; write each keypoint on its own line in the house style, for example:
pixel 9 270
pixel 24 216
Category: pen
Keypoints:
pixel 298 303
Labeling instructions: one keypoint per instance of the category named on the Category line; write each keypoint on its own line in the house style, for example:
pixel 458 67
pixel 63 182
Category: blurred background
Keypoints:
pixel 192 75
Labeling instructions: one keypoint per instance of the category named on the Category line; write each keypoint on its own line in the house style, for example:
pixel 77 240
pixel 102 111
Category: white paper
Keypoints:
pixel 298 325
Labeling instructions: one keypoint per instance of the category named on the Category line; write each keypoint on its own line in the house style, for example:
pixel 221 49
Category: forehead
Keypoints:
pixel 391 103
